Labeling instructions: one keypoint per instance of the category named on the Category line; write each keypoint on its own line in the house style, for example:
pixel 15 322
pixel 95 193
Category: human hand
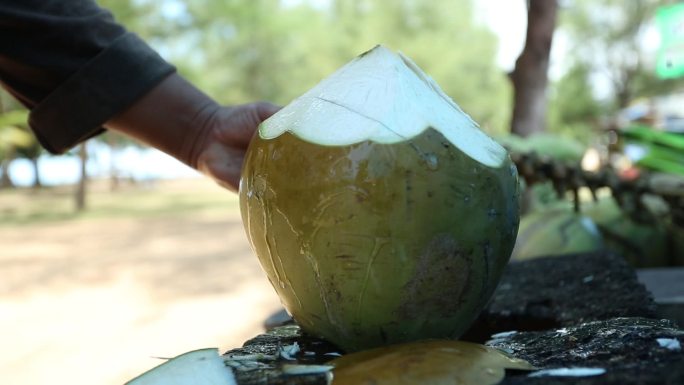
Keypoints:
pixel 177 118
pixel 219 153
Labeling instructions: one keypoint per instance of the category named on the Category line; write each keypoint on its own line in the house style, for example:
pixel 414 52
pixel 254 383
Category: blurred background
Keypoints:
pixel 115 254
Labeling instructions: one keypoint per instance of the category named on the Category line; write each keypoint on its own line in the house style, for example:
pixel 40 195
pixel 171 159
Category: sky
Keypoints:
pixel 131 162
pixel 507 19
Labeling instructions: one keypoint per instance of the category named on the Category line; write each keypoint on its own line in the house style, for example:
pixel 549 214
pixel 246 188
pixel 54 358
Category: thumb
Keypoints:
pixel 265 109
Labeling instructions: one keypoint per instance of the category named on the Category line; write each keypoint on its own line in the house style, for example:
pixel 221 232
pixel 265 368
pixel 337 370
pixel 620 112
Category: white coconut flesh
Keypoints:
pixel 384 97
pixel 199 367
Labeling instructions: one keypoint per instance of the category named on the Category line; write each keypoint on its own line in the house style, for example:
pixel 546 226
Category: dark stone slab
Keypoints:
pixel 260 361
pixel 665 284
pixel 667 287
pixel 627 348
pixel 584 310
pixel 553 292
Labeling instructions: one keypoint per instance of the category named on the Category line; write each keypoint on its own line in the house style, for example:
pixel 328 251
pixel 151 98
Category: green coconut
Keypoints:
pixel 641 244
pixel 556 231
pixel 378 209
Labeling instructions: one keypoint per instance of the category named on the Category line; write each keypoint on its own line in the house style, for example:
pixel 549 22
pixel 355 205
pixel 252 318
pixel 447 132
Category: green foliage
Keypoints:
pixel 13 118
pixel 574 112
pixel 444 40
pixel 12 137
pixel 13 132
pixel 240 51
pixel 606 49
pixel 607 38
pixel 144 17
pixel 545 144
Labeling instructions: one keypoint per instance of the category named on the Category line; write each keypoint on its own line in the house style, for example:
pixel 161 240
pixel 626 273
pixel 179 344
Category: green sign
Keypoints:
pixel 670 20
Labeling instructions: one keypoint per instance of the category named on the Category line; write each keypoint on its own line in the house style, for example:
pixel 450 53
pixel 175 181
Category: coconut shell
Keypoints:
pixel 370 244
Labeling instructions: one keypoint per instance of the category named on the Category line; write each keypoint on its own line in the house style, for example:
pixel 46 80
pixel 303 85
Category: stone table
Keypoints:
pixel 560 313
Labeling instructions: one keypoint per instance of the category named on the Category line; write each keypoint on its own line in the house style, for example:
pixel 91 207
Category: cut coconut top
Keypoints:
pixel 383 97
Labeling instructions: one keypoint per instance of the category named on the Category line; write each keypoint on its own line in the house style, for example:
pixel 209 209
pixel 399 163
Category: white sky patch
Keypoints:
pixel 508 20
pixel 173 8
pixel 315 3
pixel 131 162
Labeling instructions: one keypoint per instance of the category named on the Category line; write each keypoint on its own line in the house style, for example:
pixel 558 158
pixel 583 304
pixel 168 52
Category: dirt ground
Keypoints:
pixel 99 301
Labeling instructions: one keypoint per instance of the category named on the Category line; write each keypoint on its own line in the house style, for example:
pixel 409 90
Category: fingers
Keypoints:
pixel 224 151
pixel 223 165
pixel 237 125
pixel 265 110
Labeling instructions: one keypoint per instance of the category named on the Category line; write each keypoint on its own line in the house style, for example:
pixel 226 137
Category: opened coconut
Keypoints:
pixel 378 209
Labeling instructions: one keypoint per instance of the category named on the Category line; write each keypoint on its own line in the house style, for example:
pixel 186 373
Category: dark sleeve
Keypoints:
pixel 73 66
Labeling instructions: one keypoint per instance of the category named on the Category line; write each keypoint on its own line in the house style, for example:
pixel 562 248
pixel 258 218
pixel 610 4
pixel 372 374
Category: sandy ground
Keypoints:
pixel 93 302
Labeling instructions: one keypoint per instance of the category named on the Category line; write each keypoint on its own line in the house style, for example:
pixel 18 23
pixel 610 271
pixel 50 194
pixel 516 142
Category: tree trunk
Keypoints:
pixel 5 180
pixel 529 77
pixel 82 182
pixel 114 178
pixel 36 173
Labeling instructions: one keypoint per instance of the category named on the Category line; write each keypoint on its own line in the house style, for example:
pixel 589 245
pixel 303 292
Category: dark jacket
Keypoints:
pixel 73 66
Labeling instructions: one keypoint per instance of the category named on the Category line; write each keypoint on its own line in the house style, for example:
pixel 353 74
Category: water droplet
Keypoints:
pixel 431 161
pixel 282 284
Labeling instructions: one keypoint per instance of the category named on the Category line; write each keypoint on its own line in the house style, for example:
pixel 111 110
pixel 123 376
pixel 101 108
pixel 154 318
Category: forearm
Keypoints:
pixel 174 117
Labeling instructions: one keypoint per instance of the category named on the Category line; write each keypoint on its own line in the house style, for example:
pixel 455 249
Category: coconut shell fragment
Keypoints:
pixel 198 367
pixel 426 362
